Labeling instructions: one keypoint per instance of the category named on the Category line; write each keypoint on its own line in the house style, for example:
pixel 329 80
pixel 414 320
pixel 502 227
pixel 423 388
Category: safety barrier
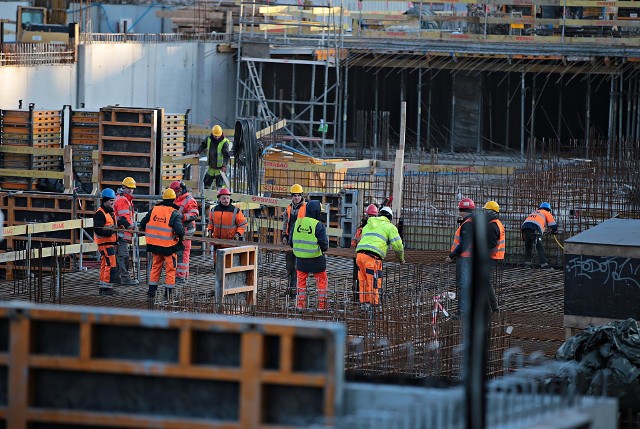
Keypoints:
pixel 127 369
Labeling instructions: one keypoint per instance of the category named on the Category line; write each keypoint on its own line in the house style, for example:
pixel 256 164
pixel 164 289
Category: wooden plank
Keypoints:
pixel 27 150
pixel 35 174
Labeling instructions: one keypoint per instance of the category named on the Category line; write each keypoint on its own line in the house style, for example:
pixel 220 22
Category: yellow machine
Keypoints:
pixel 32 27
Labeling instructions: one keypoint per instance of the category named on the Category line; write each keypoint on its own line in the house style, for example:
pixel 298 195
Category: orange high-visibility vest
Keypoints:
pixel 109 222
pixel 456 240
pixel 498 251
pixel 158 230
pixel 123 207
pixel 225 224
pixel 541 218
pixel 302 212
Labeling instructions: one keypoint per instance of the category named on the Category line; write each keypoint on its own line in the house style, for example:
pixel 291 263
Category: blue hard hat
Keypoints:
pixel 108 194
pixel 545 205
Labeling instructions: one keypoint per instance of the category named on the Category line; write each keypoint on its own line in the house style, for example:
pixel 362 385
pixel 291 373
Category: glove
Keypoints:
pixel 236 236
pixel 554 232
pixel 402 261
pixel 284 239
pixel 448 260
pixel 224 169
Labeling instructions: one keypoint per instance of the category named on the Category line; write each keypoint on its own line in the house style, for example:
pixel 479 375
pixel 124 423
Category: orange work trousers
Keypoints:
pixel 183 260
pixel 322 283
pixel 369 278
pixel 170 262
pixel 108 264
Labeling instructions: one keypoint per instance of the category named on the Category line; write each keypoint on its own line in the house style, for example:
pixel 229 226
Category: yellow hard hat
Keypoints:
pixel 129 182
pixel 216 130
pixel 169 194
pixel 297 189
pixel 492 205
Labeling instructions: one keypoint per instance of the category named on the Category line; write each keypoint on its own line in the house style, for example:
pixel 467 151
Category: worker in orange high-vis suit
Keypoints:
pixel 188 208
pixel 226 221
pixel 460 252
pixel 309 241
pixel 296 210
pixel 533 228
pixel 123 209
pixel 104 234
pixel 496 242
pixel 164 231
pixel 377 234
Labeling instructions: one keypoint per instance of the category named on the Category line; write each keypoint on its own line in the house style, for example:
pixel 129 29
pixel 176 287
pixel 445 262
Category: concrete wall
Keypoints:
pixel 174 76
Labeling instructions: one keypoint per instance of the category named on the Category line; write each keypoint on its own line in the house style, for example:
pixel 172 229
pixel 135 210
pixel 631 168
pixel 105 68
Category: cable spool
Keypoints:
pixel 246 151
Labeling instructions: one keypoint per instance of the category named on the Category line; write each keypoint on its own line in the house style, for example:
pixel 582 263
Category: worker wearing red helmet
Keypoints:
pixel 461 248
pixel 372 211
pixel 226 221
pixel 188 208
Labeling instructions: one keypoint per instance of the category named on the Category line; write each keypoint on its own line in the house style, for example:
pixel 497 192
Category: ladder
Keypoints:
pixel 263 108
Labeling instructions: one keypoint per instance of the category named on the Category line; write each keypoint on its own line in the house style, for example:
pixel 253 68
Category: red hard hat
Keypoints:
pixel 372 210
pixel 175 185
pixel 466 203
pixel 224 191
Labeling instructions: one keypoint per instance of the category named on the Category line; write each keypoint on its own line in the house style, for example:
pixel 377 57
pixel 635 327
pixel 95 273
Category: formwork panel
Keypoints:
pixel 123 369
pixel 128 147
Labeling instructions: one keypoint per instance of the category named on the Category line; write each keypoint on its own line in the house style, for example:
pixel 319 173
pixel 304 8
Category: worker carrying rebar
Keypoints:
pixel 377 234
pixel 164 231
pixel 533 228
pixel 497 245
pixel 309 241
pixel 104 235
pixel 296 210
pixel 123 208
pixel 460 252
pixel 226 221
pixel 217 147
pixel 188 208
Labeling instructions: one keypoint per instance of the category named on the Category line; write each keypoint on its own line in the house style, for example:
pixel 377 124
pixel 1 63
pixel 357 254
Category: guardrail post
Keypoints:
pixel 28 253
pixel 80 266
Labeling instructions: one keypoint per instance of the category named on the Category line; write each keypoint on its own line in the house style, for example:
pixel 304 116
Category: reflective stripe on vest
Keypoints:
pixel 219 160
pixel 456 241
pixel 158 231
pixel 305 242
pixel 109 223
pixel 498 251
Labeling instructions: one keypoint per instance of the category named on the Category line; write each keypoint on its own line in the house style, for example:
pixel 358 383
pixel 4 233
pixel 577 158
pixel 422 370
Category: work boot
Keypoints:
pixel 106 289
pixel 130 282
pixel 546 266
pixel 527 265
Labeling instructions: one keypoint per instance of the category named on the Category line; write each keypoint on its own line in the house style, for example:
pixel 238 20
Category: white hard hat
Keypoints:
pixel 386 211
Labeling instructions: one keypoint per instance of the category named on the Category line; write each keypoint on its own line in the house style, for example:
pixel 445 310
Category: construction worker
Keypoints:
pixel 372 211
pixel 188 208
pixel 309 240
pixel 496 242
pixel 296 210
pixel 226 221
pixel 533 228
pixel 164 231
pixel 461 250
pixel 377 234
pixel 104 235
pixel 123 209
pixel 217 147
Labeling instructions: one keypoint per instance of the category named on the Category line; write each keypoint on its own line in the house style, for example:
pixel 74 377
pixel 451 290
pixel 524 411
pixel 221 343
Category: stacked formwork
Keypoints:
pixel 84 136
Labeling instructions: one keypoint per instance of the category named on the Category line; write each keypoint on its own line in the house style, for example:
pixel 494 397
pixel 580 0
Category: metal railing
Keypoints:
pixel 33 54
pixel 154 38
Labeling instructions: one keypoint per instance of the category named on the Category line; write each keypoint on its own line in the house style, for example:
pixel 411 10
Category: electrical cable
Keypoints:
pixel 555 237
pixel 247 152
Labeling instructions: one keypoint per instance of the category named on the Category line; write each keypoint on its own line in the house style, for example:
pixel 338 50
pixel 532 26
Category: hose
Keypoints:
pixel 555 237
pixel 246 151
